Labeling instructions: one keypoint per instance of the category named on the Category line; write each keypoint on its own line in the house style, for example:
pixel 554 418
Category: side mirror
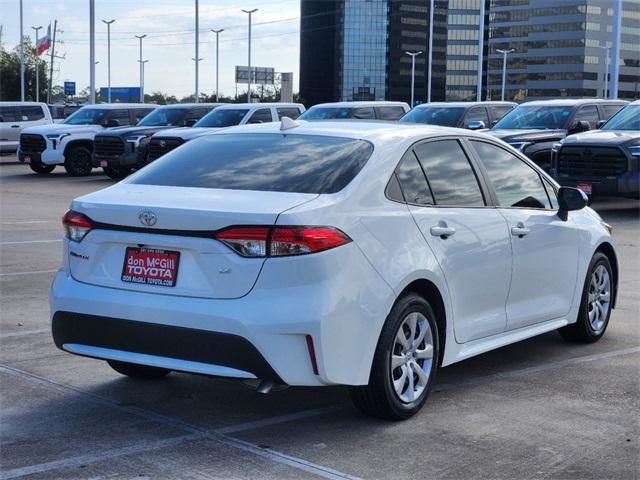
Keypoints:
pixel 579 126
pixel 493 124
pixel 190 123
pixel 600 124
pixel 570 199
pixel 476 125
pixel 112 122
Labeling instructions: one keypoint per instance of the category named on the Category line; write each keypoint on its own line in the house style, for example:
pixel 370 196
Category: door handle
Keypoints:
pixel 15 126
pixel 442 230
pixel 519 230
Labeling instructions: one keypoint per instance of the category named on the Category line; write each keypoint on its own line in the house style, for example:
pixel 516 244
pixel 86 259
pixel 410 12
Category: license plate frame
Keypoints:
pixel 104 163
pixel 585 187
pixel 145 266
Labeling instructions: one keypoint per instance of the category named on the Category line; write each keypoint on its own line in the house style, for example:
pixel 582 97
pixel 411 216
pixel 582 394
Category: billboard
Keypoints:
pixel 69 88
pixel 120 94
pixel 260 75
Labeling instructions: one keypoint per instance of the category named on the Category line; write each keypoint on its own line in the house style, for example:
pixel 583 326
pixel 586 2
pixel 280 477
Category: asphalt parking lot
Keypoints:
pixel 538 409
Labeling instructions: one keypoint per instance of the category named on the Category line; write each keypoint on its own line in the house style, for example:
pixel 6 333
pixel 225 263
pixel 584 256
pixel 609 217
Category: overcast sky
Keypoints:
pixel 170 44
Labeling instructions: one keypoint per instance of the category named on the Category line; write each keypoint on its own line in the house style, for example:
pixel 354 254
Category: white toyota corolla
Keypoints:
pixel 361 254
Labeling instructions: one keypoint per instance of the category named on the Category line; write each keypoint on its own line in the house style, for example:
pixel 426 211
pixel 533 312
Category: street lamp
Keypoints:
pixel 250 12
pixel 108 24
pixel 606 70
pixel 37 65
pixel 504 67
pixel 140 37
pixel 217 32
pixel 197 60
pixel 413 56
pixel 430 61
pixel 197 57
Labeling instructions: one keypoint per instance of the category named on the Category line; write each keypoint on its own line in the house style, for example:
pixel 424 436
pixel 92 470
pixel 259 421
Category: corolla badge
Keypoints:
pixel 148 218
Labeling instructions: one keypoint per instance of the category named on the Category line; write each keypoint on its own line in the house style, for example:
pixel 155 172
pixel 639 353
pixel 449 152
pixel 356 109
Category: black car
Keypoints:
pixel 471 115
pixel 121 150
pixel 605 161
pixel 534 127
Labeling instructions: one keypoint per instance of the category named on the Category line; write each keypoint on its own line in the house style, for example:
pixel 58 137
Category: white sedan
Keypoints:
pixel 358 254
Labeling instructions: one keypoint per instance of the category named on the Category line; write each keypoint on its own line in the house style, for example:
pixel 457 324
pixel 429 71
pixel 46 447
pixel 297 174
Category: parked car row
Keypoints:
pixel 119 139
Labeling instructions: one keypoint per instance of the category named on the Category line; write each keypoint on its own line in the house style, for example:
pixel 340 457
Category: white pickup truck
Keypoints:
pixel 70 143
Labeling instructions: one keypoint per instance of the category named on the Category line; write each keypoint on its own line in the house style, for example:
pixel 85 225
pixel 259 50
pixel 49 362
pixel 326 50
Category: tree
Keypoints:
pixel 160 98
pixel 10 73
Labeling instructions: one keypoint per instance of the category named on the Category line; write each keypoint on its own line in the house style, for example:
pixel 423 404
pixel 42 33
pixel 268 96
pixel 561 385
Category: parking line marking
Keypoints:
pixel 267 422
pixel 26 222
pixel 539 368
pixel 25 332
pixel 268 453
pixel 31 272
pixel 96 457
pixel 30 241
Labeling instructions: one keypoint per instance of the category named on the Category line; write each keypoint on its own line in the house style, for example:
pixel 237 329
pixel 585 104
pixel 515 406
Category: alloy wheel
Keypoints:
pixel 599 298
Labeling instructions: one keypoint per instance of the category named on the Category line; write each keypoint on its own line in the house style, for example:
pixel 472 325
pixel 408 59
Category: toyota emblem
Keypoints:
pixel 163 143
pixel 148 218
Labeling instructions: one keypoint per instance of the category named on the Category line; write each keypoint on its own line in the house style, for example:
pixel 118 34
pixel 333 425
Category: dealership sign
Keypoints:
pixel 259 75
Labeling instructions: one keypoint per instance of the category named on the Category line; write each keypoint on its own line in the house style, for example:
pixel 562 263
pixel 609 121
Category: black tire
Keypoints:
pixel 142 372
pixel 583 331
pixel 117 173
pixel 78 161
pixel 379 398
pixel 41 168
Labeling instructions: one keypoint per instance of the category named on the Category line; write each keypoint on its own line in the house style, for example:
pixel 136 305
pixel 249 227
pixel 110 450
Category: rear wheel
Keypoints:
pixel 117 173
pixel 41 168
pixel 595 305
pixel 405 362
pixel 138 371
pixel 78 161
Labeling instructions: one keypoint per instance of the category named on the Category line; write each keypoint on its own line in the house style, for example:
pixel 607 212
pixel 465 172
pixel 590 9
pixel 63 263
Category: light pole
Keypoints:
pixel 606 71
pixel 140 37
pixel 430 61
pixel 108 23
pixel 413 56
pixel 217 32
pixel 616 29
pixel 197 57
pixel 92 52
pixel 37 65
pixel 480 52
pixel 504 67
pixel 250 12
pixel 21 56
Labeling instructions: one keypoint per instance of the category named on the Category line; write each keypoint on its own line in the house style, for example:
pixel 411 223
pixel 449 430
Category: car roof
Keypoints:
pixel 227 106
pixel 464 104
pixel 635 102
pixel 570 102
pixel 17 104
pixel 112 106
pixel 372 103
pixel 375 131
pixel 190 105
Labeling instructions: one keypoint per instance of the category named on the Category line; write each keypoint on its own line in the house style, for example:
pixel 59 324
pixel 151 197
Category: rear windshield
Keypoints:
pixel 264 162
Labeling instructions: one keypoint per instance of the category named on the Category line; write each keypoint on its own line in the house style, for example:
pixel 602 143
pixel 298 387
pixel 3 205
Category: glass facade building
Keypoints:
pixel 560 48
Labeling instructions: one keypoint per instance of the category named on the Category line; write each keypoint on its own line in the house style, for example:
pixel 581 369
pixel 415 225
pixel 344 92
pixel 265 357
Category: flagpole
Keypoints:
pixel 53 53
pixel 37 62
pixel 21 56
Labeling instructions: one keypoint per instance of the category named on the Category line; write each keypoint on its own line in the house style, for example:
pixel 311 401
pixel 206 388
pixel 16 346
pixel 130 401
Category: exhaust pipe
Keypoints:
pixel 265 387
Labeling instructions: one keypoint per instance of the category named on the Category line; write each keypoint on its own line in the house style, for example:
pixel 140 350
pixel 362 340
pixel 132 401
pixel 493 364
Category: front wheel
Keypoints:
pixel 595 305
pixel 41 168
pixel 133 370
pixel 78 162
pixel 405 362
pixel 117 173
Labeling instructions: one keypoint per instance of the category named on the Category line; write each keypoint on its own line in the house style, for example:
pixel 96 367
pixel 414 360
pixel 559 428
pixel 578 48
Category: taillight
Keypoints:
pixel 76 225
pixel 263 241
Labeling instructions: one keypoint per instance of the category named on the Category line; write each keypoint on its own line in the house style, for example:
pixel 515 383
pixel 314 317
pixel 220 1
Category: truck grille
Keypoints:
pixel 108 146
pixel 32 143
pixel 161 145
pixel 591 161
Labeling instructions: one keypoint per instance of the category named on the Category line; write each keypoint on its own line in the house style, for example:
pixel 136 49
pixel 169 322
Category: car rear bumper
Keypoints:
pixel 264 333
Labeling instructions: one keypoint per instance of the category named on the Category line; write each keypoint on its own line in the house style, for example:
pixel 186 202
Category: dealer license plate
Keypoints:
pixel 150 266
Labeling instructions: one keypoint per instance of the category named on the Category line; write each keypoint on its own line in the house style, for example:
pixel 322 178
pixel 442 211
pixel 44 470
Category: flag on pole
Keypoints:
pixel 43 43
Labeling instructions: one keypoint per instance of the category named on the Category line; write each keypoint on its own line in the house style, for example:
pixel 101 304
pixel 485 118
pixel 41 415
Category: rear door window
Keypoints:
pixel 516 183
pixel 291 112
pixel 8 114
pixel 363 113
pixel 477 114
pixel 389 113
pixel 31 113
pixel 121 116
pixel 413 183
pixel 139 114
pixel 499 111
pixel 610 110
pixel 261 116
pixel 588 113
pixel 449 174
pixel 261 161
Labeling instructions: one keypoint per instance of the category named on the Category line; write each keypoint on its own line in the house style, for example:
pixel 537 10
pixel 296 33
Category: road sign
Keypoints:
pixel 260 75
pixel 69 88
pixel 121 94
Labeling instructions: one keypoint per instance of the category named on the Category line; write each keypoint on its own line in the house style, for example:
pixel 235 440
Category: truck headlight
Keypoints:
pixel 635 150
pixel 555 147
pixel 138 141
pixel 520 145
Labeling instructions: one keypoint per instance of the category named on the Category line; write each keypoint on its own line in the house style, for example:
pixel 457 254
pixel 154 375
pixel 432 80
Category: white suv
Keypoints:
pixel 224 116
pixel 70 143
pixel 364 254
pixel 15 117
